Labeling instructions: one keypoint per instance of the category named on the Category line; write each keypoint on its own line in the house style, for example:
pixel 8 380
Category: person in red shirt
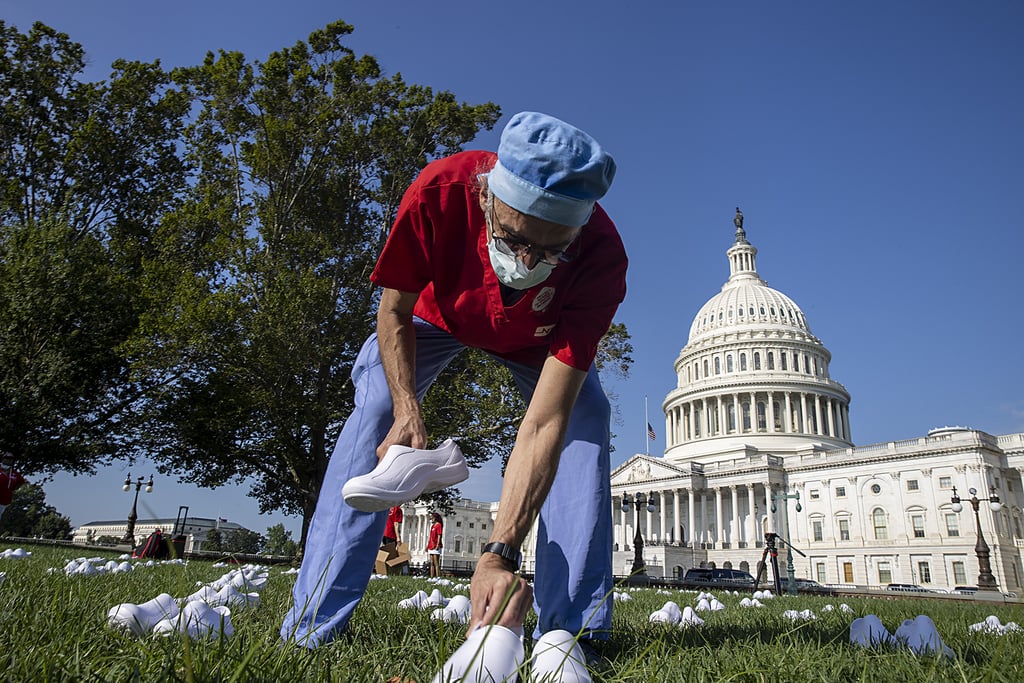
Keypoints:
pixel 434 544
pixel 10 480
pixel 509 253
pixel 394 524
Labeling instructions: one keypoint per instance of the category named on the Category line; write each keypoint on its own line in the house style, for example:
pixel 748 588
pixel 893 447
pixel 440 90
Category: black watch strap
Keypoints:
pixel 504 551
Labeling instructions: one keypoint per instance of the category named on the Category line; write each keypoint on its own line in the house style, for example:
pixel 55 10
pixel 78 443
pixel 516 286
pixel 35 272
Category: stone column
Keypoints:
pixel 719 531
pixel 676 521
pixel 737 412
pixel 691 517
pixel 817 414
pixel 648 519
pixel 831 418
pixel 787 422
pixel 770 412
pixel 805 425
pixel 768 507
pixel 661 531
pixel 752 536
pixel 734 527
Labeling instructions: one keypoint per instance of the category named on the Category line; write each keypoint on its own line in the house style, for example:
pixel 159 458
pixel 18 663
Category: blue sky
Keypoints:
pixel 874 147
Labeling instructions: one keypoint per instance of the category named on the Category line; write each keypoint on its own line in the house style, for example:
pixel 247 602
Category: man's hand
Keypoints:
pixel 497 595
pixel 408 430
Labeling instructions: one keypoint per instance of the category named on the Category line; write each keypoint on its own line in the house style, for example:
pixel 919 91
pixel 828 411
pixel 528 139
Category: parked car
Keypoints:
pixel 811 586
pixel 966 590
pixel 908 588
pixel 721 578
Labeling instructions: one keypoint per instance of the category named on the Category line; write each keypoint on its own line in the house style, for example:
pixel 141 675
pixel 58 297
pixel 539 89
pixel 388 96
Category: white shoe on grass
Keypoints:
pixel 198 620
pixel 415 602
pixel 140 619
pixel 491 654
pixel 921 636
pixel 405 474
pixel 457 610
pixel 868 631
pixel 558 657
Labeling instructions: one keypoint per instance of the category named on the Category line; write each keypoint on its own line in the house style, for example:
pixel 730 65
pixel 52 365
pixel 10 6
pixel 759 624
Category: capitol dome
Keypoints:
pixel 752 374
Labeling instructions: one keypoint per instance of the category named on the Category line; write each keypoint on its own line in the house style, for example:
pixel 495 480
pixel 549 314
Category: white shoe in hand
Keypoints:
pixel 405 474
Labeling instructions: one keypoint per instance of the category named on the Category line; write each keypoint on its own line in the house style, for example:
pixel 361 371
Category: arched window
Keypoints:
pixel 879 523
pixel 728 363
pixel 771 360
pixel 757 360
pixel 796 362
pixel 731 417
pixel 746 417
pixel 807 364
pixel 777 408
pixel 761 422
pixel 743 362
pixel 705 367
pixel 718 365
pixel 689 376
pixel 782 359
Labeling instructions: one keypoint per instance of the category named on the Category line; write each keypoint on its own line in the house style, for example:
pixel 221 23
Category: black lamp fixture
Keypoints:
pixel 986 580
pixel 129 534
pixel 638 501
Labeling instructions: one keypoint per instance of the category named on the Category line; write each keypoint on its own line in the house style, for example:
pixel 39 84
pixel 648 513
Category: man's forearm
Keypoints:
pixel 396 338
pixel 534 460
pixel 528 477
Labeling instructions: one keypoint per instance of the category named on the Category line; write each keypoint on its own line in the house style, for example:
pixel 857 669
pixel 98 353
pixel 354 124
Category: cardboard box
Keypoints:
pixel 392 559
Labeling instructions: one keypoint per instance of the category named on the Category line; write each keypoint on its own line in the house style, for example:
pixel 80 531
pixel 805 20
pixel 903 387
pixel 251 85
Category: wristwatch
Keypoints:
pixel 504 551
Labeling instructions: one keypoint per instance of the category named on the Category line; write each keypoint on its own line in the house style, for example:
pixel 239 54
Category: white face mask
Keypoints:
pixel 510 270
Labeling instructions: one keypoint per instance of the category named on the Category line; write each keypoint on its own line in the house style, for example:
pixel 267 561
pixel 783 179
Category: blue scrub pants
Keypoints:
pixel 573 579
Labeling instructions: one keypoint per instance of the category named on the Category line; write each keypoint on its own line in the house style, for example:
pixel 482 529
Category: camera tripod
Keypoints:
pixel 771 554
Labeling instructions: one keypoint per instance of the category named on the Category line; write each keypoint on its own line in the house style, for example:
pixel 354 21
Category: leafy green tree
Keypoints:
pixel 52 524
pixel 279 542
pixel 29 515
pixel 304 159
pixel 242 541
pixel 214 540
pixel 87 169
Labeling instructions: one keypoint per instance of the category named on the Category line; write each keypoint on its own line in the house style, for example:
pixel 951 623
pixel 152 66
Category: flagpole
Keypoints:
pixel 647 424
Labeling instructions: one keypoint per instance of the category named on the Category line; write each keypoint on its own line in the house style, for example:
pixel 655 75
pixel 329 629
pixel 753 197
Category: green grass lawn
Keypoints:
pixel 52 627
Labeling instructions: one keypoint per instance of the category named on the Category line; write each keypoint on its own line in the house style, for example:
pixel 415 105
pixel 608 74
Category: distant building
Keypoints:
pixel 756 415
pixel 196 530
pixel 466 530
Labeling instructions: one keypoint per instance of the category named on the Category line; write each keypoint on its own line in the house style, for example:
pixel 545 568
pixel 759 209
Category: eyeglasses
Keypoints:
pixel 523 248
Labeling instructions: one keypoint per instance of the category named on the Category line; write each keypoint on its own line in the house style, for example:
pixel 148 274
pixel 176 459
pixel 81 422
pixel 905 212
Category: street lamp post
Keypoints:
pixel 129 534
pixel 781 497
pixel 638 501
pixel 986 580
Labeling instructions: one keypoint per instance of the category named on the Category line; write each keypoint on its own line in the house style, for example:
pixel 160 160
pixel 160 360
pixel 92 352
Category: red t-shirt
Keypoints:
pixel 394 517
pixel 9 482
pixel 438 247
pixel 436 531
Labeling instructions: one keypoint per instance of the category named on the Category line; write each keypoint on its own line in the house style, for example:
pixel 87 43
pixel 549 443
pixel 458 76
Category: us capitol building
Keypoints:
pixel 755 421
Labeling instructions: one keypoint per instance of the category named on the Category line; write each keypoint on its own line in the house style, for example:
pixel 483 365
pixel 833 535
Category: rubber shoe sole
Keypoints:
pixel 405 474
